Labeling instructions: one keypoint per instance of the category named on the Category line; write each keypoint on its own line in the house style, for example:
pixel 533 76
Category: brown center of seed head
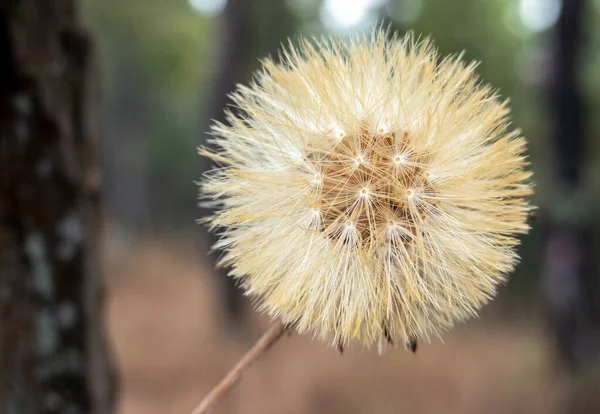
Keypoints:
pixel 369 182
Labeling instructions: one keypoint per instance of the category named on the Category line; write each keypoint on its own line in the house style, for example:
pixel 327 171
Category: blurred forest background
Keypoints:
pixel 176 325
pixel 167 66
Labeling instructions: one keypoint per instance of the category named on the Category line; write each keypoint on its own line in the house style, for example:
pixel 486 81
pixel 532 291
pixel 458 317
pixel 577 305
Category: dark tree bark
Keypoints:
pixel 571 275
pixel 53 356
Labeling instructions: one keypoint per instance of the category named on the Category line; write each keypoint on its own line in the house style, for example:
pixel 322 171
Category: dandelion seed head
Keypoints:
pixel 399 220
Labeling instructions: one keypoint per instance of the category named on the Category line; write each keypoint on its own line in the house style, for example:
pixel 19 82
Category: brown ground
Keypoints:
pixel 164 320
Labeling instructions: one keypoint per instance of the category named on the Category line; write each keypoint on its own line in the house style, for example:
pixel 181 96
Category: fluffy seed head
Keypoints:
pixel 368 190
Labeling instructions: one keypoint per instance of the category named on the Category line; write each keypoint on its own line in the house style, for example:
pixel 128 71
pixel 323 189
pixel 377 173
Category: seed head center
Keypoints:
pixel 367 191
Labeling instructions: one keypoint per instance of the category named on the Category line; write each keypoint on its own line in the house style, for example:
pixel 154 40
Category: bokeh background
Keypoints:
pixel 177 325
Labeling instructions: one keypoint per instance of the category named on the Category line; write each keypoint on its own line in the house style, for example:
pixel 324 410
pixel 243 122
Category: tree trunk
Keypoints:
pixel 249 30
pixel 234 34
pixel 53 356
pixel 570 278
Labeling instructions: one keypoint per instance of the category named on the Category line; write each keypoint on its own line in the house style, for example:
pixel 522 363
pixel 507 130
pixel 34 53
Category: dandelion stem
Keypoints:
pixel 233 376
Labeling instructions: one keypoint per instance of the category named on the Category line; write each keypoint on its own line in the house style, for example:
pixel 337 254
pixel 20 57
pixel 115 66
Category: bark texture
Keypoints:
pixel 53 356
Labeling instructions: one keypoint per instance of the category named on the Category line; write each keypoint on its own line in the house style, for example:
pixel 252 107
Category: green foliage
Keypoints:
pixel 166 47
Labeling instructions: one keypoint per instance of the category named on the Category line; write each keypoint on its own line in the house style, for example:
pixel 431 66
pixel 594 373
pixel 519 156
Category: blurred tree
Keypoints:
pixel 570 278
pixel 53 356
pixel 234 32
pixel 249 30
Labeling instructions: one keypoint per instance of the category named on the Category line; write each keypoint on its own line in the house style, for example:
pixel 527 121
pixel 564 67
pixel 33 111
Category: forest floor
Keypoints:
pixel 172 346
